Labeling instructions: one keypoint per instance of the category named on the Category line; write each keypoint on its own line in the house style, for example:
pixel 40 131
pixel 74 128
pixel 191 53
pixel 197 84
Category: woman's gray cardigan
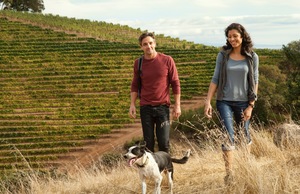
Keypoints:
pixel 222 76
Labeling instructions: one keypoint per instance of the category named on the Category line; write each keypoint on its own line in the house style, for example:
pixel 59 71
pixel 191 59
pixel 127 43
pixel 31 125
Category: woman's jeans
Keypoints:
pixel 231 113
pixel 156 121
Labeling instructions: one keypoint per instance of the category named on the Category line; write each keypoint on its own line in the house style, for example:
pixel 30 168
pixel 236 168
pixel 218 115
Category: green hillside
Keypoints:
pixel 66 82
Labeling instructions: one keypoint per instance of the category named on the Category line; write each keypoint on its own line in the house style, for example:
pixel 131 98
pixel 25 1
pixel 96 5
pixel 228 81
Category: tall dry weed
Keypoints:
pixel 267 169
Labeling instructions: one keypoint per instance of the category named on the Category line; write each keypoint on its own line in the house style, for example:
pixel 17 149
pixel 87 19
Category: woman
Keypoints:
pixel 235 81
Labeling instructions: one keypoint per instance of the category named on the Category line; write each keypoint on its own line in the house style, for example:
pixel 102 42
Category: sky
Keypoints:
pixel 270 23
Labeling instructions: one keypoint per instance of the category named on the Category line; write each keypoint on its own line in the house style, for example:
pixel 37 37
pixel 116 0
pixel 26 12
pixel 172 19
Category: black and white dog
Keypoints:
pixel 153 164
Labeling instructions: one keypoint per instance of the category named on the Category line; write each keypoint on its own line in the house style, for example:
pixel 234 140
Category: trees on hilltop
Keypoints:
pixel 23 5
pixel 291 66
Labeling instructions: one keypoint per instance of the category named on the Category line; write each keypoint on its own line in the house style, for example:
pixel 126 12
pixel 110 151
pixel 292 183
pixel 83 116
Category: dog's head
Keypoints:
pixel 135 152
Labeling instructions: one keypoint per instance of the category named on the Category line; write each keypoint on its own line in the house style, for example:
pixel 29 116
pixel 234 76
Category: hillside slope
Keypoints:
pixel 65 92
pixel 60 93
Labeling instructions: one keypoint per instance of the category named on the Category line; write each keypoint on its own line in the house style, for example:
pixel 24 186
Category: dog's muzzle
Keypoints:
pixel 130 161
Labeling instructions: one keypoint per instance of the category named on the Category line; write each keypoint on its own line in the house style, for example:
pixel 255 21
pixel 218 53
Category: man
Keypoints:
pixel 158 72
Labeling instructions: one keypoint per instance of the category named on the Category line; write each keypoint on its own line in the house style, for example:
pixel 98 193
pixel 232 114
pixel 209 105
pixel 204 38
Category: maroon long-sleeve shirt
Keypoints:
pixel 157 76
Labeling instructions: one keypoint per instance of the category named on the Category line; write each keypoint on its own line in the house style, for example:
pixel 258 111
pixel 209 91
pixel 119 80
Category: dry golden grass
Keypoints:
pixel 268 169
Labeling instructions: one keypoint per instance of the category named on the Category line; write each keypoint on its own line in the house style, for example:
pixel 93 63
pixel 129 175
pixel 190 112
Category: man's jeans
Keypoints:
pixel 230 110
pixel 156 118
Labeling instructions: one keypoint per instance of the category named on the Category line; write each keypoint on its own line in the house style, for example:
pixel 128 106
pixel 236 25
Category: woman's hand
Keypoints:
pixel 247 113
pixel 208 110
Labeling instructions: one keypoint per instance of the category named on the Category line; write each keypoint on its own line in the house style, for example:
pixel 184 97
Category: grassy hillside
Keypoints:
pixel 268 169
pixel 100 30
pixel 65 83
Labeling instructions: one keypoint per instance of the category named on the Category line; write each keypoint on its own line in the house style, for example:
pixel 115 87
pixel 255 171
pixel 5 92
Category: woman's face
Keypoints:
pixel 234 38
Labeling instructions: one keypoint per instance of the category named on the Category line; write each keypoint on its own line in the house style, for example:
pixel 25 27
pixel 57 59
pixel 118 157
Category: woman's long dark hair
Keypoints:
pixel 247 42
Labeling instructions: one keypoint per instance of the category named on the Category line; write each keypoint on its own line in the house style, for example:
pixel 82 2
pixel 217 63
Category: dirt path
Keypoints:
pixel 116 139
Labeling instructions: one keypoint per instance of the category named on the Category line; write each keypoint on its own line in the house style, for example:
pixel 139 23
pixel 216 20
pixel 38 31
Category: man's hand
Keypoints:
pixel 176 111
pixel 132 112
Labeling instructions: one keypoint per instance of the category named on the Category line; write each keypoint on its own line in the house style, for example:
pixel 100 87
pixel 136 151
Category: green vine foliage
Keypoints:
pixel 61 92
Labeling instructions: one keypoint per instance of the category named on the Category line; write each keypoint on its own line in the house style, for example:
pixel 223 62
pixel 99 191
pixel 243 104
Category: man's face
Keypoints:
pixel 148 45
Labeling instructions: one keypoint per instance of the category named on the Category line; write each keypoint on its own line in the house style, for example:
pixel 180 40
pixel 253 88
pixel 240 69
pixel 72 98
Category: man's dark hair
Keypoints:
pixel 144 35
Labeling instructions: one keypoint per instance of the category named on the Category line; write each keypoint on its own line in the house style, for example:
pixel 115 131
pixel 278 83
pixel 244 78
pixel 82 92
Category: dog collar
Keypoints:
pixel 144 164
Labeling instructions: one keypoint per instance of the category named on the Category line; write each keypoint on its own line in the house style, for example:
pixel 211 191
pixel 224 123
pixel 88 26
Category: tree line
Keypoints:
pixel 23 5
pixel 291 66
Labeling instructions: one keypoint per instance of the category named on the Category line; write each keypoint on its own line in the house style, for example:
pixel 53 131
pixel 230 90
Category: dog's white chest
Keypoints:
pixel 150 169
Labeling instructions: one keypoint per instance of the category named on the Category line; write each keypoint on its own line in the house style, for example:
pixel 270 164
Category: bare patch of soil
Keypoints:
pixel 117 138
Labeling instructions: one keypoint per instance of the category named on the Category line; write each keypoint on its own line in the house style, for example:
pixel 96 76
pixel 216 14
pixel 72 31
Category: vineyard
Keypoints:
pixel 61 92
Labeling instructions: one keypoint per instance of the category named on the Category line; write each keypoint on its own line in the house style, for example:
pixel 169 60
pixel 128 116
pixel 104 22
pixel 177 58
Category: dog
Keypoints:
pixel 152 165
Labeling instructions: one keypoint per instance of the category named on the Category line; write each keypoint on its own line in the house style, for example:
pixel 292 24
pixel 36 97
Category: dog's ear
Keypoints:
pixel 137 143
pixel 143 143
pixel 142 146
pixel 140 143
